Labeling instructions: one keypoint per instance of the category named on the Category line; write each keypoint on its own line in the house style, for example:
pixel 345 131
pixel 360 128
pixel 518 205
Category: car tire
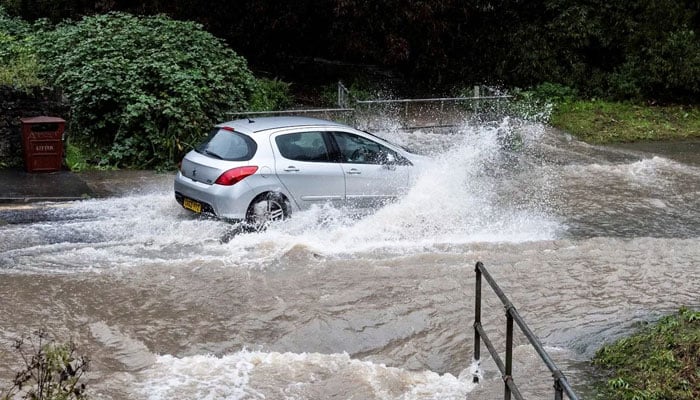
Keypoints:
pixel 265 209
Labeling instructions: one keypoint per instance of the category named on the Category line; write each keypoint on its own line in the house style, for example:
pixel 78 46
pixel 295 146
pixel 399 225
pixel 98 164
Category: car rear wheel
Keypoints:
pixel 265 209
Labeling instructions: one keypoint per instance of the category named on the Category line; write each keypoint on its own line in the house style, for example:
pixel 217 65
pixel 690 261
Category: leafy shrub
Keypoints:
pixel 270 94
pixel 538 103
pixel 13 26
pixel 18 62
pixel 553 93
pixel 76 160
pixel 142 88
pixel 668 69
pixel 51 370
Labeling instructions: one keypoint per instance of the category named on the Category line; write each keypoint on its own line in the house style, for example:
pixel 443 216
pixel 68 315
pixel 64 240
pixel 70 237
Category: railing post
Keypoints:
pixel 509 352
pixel 561 385
pixel 476 104
pixel 477 317
pixel 558 390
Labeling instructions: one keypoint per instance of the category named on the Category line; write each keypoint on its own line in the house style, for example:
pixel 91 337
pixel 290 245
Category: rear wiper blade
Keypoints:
pixel 211 153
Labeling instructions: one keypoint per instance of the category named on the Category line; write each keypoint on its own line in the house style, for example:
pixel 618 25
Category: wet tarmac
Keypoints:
pixel 17 186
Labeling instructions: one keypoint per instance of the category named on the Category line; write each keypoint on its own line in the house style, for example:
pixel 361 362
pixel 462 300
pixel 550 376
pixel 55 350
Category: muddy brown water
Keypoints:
pixel 588 243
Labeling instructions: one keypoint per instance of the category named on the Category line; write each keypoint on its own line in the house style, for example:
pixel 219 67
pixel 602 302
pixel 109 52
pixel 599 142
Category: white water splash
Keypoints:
pixel 457 199
pixel 260 375
pixel 454 201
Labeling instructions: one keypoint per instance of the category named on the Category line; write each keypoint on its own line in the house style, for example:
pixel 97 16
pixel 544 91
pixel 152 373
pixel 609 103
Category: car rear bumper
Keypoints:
pixel 226 202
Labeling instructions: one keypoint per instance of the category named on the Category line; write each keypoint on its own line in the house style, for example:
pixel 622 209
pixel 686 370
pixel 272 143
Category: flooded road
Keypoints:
pixel 586 241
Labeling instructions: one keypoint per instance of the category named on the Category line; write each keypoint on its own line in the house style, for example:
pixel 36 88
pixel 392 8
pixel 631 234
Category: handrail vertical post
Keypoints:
pixel 561 385
pixel 477 317
pixel 558 390
pixel 340 101
pixel 509 353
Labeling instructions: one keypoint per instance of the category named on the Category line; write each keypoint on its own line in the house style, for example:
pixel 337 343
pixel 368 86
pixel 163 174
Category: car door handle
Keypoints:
pixel 291 168
pixel 354 171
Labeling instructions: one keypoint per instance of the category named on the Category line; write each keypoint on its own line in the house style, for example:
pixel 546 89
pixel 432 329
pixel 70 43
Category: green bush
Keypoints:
pixel 538 103
pixel 666 69
pixel 13 26
pixel 555 93
pixel 143 89
pixel 270 94
pixel 18 62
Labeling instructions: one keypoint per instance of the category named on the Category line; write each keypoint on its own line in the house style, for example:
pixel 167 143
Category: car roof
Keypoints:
pixel 253 125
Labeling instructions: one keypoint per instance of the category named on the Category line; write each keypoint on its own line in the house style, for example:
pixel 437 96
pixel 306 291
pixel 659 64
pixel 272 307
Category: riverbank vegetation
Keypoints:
pixel 660 362
pixel 50 370
pixel 603 122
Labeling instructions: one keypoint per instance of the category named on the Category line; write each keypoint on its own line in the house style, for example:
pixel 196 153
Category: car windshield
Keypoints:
pixel 227 145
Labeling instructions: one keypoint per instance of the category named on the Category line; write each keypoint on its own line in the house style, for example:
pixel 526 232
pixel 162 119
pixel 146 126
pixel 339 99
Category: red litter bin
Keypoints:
pixel 42 141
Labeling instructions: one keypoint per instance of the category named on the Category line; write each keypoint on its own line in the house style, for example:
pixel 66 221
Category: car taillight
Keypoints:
pixel 235 175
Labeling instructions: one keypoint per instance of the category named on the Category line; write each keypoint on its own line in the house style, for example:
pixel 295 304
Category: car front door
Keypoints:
pixel 305 167
pixel 374 173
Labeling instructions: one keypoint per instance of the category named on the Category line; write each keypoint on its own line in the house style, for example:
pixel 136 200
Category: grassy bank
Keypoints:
pixel 602 122
pixel 661 362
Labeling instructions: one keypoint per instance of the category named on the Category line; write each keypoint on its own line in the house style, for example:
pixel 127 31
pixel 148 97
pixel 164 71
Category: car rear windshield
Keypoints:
pixel 228 145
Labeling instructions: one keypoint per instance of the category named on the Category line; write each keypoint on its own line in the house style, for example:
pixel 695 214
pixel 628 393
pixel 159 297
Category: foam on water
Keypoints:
pixel 103 233
pixel 260 375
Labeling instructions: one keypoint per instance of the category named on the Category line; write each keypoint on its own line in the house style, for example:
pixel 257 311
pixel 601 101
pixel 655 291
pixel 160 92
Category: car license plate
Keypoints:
pixel 192 205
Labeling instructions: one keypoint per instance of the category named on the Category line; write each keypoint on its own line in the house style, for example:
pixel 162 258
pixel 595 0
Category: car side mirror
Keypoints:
pixel 388 158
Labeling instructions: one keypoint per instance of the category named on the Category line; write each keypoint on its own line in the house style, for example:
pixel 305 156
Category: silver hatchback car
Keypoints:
pixel 265 169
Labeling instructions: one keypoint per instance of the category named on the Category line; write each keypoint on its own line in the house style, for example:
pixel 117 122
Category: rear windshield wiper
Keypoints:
pixel 211 153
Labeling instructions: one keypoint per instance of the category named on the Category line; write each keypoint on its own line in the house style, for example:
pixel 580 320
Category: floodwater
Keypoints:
pixel 588 243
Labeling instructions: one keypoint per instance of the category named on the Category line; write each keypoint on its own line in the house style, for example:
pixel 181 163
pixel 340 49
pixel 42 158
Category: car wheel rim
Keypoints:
pixel 265 212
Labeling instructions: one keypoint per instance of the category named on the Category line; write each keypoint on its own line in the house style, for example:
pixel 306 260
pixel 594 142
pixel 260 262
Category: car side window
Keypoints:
pixel 303 146
pixel 355 149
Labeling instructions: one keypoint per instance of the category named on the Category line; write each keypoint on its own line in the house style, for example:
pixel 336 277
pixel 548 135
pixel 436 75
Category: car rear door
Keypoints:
pixel 374 173
pixel 305 167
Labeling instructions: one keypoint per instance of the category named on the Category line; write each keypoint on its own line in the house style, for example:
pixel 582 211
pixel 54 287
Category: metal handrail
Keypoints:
pixel 433 99
pixel 299 111
pixel 348 104
pixel 561 385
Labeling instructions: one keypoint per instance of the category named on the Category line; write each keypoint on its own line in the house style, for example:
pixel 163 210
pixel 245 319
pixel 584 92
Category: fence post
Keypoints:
pixel 476 104
pixel 340 101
